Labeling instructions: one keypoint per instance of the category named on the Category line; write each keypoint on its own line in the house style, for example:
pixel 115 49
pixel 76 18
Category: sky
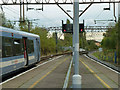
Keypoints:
pixel 52 15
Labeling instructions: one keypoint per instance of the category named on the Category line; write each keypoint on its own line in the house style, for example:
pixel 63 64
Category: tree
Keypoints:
pixel 118 41
pixel 23 26
pixel 67 21
pixel 110 39
pixel 4 22
pixel 48 45
pixel 91 45
pixel 2 19
pixel 8 24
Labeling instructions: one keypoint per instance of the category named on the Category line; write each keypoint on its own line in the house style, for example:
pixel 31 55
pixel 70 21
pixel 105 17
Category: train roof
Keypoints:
pixel 4 29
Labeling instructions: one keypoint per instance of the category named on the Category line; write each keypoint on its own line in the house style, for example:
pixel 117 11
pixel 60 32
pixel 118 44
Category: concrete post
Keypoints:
pixel 76 79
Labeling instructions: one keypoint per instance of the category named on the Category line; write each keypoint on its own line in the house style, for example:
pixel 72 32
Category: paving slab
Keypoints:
pixel 95 75
pixel 50 75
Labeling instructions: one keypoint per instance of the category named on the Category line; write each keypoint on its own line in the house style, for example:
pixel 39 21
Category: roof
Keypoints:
pixel 4 29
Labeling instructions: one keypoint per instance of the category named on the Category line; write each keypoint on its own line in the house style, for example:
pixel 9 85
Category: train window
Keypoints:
pixel 30 46
pixel 17 44
pixel 7 47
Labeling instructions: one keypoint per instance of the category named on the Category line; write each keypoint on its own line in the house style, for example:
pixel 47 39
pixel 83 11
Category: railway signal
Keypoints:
pixel 68 28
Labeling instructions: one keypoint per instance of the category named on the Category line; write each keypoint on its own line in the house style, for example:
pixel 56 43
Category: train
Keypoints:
pixel 18 50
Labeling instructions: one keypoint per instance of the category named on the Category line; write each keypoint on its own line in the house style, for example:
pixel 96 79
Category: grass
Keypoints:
pixel 108 56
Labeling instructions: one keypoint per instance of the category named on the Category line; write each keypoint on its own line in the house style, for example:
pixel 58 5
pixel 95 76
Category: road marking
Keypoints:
pixel 102 64
pixel 33 85
pixel 30 70
pixel 97 76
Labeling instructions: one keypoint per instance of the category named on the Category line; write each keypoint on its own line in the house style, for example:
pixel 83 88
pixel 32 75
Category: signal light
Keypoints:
pixel 12 34
pixel 81 28
pixel 68 28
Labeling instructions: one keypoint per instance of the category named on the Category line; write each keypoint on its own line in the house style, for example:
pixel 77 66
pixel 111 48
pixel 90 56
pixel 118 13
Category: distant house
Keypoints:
pixel 97 43
pixel 97 36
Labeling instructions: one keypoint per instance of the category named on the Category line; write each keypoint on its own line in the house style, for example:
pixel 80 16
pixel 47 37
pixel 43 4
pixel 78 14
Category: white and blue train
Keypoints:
pixel 17 50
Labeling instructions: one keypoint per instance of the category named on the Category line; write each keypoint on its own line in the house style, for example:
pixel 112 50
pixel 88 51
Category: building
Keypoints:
pixel 95 35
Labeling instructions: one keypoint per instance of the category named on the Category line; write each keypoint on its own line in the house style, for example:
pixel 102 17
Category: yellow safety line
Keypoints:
pixel 45 76
pixel 97 76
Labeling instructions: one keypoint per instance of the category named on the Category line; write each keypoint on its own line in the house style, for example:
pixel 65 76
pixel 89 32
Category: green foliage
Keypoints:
pixel 67 39
pixel 2 19
pixel 47 44
pixel 8 24
pixel 67 21
pixel 82 40
pixel 4 22
pixel 118 43
pixel 91 45
pixel 110 39
pixel 109 57
pixel 23 26
pixel 88 45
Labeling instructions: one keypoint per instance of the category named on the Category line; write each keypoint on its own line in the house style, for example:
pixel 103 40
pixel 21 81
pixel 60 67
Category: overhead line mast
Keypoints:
pixel 17 2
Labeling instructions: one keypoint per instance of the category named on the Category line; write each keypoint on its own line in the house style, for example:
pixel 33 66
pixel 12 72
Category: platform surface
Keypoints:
pixel 49 75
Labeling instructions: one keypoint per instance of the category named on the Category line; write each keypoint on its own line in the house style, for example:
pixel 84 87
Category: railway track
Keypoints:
pixel 106 64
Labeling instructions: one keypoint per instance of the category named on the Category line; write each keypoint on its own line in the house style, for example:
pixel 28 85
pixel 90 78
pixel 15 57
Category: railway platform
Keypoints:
pixel 95 75
pixel 48 75
pixel 52 74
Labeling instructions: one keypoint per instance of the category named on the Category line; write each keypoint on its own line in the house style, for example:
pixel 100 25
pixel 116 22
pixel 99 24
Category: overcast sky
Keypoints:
pixel 52 14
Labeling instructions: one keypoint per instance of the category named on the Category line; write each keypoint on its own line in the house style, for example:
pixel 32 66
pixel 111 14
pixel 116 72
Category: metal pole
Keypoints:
pixel 56 40
pixel 114 11
pixel 76 79
pixel 23 12
pixel 20 11
pixel 118 46
pixel 73 47
pixel 28 26
pixel 118 10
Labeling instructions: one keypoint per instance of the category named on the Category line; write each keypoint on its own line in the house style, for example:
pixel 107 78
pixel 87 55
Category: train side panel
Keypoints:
pixel 31 51
pixel 12 55
pixel 13 50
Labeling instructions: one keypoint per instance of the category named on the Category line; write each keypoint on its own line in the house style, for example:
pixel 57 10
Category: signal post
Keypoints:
pixel 76 79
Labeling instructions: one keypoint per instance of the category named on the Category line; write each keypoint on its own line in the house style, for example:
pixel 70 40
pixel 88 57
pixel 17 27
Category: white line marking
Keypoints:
pixel 67 76
pixel 102 65
pixel 30 70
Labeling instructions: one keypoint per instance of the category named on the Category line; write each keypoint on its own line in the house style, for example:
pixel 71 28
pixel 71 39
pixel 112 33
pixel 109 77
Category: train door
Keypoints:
pixel 37 48
pixel 25 51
